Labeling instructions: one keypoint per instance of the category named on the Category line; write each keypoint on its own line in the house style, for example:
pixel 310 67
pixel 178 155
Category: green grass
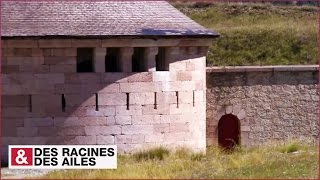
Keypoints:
pixel 288 160
pixel 289 148
pixel 153 154
pixel 258 34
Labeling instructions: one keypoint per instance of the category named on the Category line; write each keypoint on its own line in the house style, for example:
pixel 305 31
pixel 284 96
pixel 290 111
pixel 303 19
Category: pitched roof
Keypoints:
pixel 96 19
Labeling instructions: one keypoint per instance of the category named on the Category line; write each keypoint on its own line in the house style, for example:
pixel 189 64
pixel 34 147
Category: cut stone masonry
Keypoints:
pixel 46 69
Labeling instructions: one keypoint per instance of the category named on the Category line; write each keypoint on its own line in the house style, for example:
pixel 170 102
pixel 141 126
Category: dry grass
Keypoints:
pixel 258 34
pixel 286 160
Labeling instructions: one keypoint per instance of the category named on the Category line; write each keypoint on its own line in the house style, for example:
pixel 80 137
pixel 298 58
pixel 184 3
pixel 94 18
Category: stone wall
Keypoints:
pixel 131 110
pixel 151 108
pixel 272 103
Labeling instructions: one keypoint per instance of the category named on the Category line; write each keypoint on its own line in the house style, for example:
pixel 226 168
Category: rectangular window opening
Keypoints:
pixel 161 61
pixel 85 60
pixel 63 103
pixel 97 105
pixel 127 101
pixel 30 103
pixel 112 60
pixel 138 60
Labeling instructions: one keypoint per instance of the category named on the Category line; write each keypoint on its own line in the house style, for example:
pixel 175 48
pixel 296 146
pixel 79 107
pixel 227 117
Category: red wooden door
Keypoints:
pixel 228 131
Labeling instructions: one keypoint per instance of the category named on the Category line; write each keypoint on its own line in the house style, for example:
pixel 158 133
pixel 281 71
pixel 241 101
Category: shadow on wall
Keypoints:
pixel 75 108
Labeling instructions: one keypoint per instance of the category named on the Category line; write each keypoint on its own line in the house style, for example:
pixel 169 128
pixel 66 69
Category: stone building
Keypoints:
pixel 130 73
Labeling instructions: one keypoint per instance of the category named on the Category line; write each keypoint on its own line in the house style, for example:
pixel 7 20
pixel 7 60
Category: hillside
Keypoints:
pixel 258 34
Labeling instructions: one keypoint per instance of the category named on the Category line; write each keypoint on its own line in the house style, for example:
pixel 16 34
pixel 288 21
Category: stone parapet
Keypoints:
pixel 271 102
pixel 291 68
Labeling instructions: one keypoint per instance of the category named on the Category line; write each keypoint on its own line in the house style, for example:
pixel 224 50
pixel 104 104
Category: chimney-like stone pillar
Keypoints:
pixel 203 50
pixel 99 59
pixel 172 55
pixel 126 59
pixel 150 58
pixel 192 50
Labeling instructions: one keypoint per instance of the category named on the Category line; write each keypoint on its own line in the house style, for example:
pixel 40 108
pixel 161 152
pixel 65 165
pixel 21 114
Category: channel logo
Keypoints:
pixel 21 157
pixel 62 157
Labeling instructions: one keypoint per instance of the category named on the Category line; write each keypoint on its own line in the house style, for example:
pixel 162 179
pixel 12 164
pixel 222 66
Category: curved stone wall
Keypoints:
pixel 45 101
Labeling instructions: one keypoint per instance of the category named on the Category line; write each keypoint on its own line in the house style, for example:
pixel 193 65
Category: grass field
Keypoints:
pixel 290 160
pixel 258 34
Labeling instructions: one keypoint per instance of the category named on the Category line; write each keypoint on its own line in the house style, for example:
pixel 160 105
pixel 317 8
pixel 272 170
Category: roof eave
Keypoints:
pixel 202 36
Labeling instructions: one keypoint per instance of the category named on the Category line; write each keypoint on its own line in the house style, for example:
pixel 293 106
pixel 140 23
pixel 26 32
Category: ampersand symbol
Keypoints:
pixel 20 159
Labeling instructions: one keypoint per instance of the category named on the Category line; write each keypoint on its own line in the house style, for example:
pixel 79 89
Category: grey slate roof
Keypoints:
pixel 96 18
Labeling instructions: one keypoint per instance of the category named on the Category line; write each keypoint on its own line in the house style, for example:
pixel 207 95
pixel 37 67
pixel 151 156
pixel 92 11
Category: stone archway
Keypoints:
pixel 228 131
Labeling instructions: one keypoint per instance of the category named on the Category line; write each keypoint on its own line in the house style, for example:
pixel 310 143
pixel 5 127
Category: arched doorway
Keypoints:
pixel 228 131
